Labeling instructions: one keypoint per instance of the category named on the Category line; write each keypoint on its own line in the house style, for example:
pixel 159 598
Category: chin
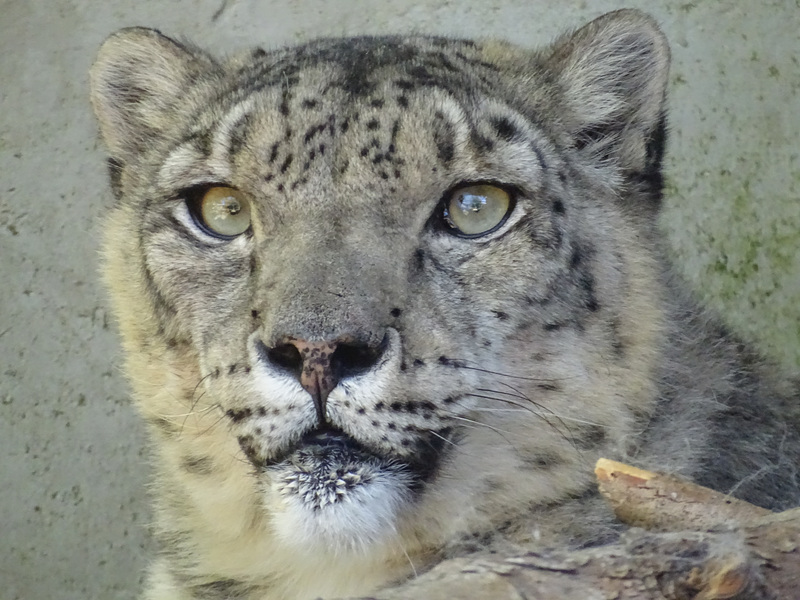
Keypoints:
pixel 332 496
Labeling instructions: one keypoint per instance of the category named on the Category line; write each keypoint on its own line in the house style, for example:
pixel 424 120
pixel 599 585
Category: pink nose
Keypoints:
pixel 316 375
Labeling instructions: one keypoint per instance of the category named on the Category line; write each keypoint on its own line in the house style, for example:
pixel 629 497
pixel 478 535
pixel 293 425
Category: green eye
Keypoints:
pixel 474 210
pixel 224 212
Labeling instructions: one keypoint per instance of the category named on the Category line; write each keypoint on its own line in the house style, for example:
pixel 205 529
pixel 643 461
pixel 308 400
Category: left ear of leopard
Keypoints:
pixel 613 73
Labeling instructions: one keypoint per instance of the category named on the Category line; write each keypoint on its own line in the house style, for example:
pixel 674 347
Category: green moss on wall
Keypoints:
pixel 739 245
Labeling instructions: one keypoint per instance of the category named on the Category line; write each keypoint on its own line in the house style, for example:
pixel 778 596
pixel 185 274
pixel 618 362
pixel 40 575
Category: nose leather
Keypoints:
pixel 316 375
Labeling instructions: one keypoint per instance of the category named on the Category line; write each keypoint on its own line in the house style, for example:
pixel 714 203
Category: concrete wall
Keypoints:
pixel 73 494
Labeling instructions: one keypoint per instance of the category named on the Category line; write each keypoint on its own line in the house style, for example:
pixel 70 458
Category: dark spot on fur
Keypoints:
pixel 500 315
pixel 617 345
pixel 309 103
pixel 232 369
pixel 552 326
pixel 558 207
pixel 379 406
pixel 587 284
pixel 373 124
pixel 418 362
pixel 377 103
pixel 273 152
pixel 548 387
pixel 115 175
pixel 444 138
pixel 165 426
pixel 505 129
pixel 396 312
pixel 238 134
pixel 287 163
pixel 482 143
pixel 589 437
pixel 238 416
pixel 402 101
pixel 361 410
pixel 576 257
pixel 314 131
pixel 540 460
pixel 246 443
pixel 419 259
pixel 280 187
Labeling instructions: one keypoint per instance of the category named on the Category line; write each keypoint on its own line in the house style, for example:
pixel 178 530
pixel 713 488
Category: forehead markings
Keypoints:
pixel 184 166
pixel 228 133
pixel 491 137
pixel 204 156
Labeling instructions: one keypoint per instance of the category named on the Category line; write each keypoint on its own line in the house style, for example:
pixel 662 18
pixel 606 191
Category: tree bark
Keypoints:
pixel 697 545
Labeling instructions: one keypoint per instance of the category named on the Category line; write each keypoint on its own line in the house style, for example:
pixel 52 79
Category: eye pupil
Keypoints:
pixel 234 208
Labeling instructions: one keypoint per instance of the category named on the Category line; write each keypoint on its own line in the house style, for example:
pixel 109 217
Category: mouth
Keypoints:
pixel 327 466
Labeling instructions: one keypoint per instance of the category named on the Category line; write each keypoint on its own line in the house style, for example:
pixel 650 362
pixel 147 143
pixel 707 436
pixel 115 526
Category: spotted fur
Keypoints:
pixel 460 389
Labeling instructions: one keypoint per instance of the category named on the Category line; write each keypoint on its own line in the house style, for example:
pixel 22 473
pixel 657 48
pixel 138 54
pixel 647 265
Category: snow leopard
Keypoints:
pixel 385 300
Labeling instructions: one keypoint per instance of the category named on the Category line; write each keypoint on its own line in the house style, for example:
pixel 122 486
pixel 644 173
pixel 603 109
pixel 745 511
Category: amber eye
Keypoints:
pixel 223 211
pixel 474 210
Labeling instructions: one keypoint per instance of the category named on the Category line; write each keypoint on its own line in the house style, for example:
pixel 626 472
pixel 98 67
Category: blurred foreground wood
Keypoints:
pixel 696 544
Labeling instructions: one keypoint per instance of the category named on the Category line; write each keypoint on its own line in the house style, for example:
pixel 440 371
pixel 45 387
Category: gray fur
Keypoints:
pixel 502 365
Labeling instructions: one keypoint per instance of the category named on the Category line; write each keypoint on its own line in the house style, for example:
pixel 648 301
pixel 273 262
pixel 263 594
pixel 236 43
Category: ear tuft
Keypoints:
pixel 139 75
pixel 613 72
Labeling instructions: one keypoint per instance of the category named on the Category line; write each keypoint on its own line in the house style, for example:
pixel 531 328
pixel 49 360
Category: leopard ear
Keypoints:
pixel 137 79
pixel 613 73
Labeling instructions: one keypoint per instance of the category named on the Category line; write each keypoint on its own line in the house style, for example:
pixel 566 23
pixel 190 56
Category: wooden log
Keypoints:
pixel 703 545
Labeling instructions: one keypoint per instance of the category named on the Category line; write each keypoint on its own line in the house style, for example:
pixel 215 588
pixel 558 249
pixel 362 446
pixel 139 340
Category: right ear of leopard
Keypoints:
pixel 137 79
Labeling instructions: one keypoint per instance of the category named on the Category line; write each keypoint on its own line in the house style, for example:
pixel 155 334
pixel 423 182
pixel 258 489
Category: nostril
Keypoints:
pixel 284 356
pixel 354 358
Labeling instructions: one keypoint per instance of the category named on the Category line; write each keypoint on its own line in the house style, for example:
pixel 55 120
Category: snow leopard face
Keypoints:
pixel 380 292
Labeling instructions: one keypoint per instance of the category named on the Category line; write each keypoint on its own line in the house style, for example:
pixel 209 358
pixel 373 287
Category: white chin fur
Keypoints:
pixel 354 522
